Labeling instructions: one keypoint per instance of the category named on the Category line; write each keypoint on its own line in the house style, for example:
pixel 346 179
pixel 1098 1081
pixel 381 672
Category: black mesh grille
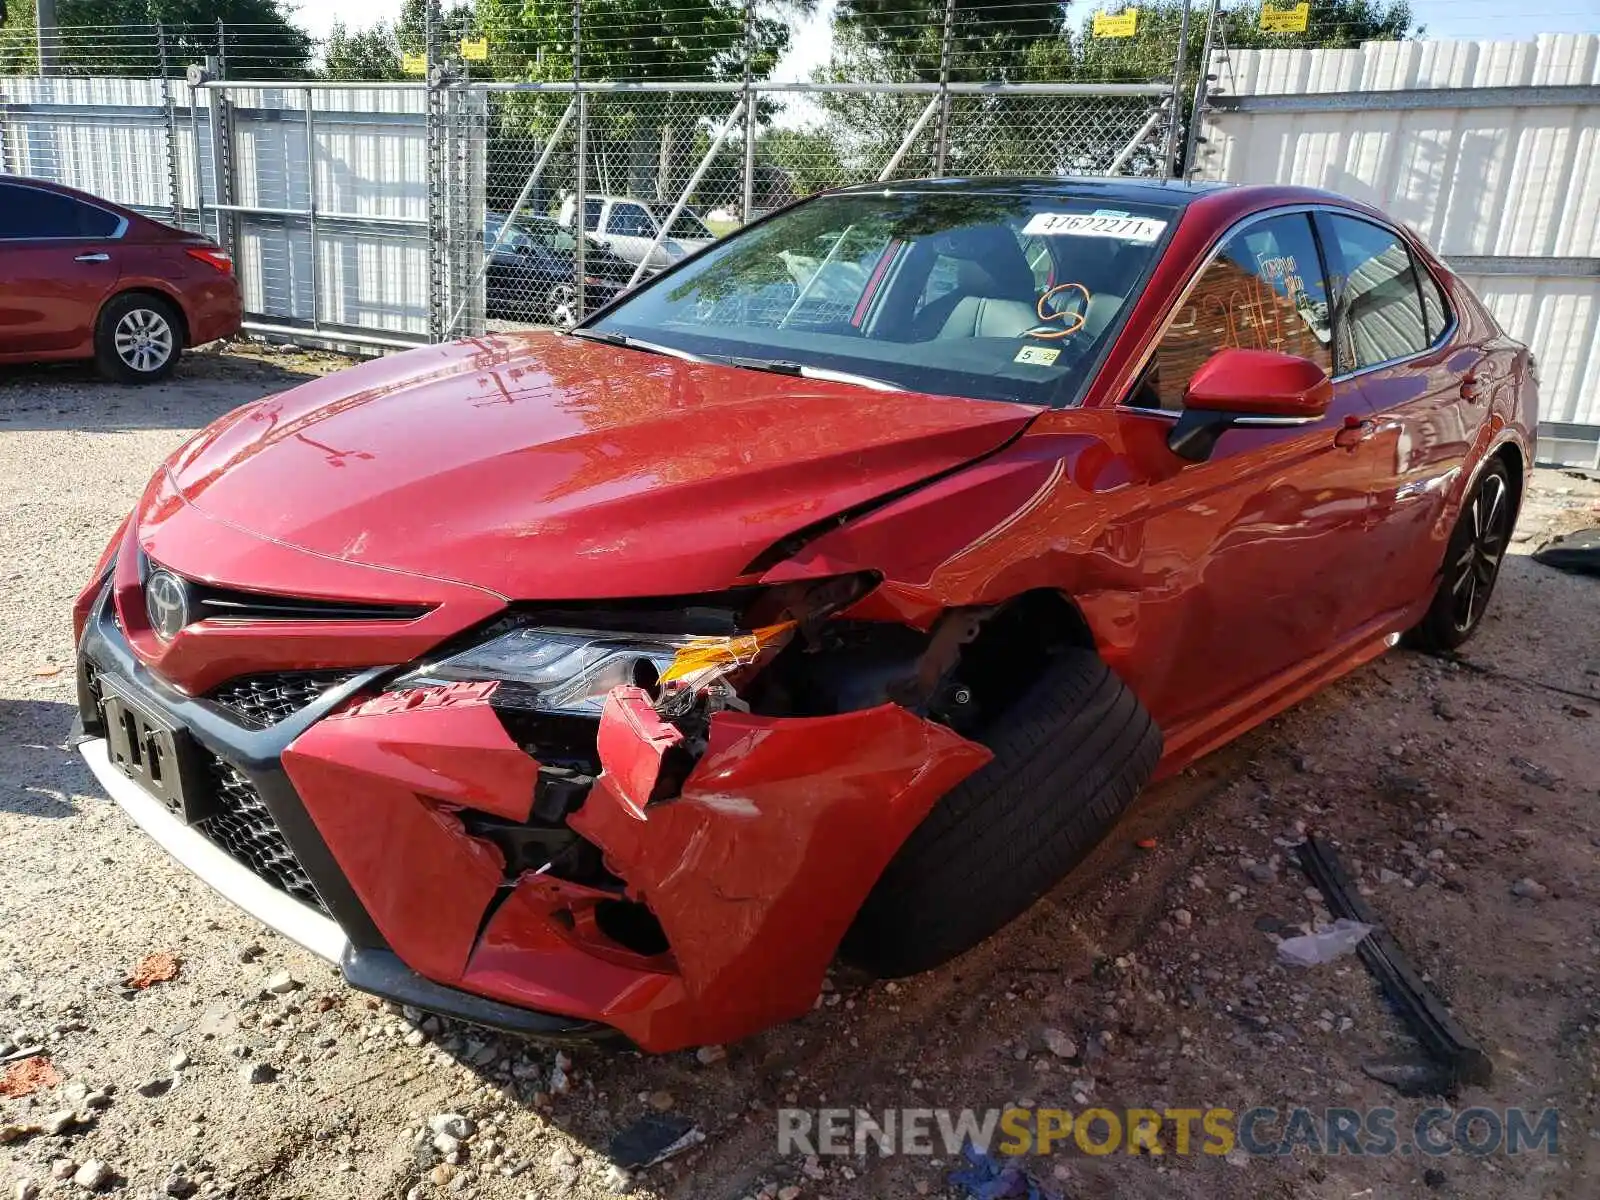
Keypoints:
pixel 246 831
pixel 262 700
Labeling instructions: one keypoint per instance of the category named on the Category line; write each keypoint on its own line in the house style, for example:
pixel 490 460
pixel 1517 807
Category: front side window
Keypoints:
pixel 934 292
pixel 1264 290
pixel 686 226
pixel 1380 313
pixel 27 212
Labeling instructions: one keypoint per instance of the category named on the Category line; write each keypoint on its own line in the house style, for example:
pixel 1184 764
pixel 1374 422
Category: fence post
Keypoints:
pixel 174 187
pixel 946 53
pixel 1175 107
pixel 433 132
pixel 579 222
pixel 222 50
pixel 1202 86
pixel 45 45
pixel 748 201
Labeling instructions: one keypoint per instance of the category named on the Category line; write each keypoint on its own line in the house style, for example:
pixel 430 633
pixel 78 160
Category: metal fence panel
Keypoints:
pixel 1491 150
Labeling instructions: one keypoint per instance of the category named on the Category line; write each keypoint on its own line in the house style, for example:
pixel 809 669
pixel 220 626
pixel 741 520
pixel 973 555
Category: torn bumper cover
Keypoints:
pixel 753 869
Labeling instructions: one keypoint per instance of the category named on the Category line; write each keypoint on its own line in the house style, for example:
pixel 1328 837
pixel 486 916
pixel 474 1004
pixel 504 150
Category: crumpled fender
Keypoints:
pixel 363 775
pixel 756 869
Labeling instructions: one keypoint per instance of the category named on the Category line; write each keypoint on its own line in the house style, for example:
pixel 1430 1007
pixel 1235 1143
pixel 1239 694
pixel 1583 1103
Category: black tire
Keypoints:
pixel 1471 564
pixel 138 338
pixel 1069 756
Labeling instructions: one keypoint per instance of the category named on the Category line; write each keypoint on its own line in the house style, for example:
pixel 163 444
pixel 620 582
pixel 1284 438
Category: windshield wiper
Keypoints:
pixel 784 366
pixel 633 343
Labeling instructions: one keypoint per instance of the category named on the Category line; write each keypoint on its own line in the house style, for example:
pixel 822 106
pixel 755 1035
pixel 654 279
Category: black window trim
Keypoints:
pixel 1124 405
pixel 1417 266
pixel 122 221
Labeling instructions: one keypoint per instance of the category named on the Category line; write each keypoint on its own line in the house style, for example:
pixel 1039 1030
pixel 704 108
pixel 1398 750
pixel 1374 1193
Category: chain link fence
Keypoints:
pixel 488 169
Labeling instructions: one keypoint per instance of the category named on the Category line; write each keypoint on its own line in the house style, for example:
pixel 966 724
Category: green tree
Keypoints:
pixel 118 37
pixel 374 54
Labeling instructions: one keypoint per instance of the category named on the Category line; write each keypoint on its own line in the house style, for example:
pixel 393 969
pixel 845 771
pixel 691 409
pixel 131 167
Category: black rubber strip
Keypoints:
pixel 1450 1045
pixel 383 974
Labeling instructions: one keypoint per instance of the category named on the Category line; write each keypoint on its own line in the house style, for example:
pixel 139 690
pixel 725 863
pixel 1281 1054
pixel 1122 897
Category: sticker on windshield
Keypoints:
pixel 1037 356
pixel 1125 229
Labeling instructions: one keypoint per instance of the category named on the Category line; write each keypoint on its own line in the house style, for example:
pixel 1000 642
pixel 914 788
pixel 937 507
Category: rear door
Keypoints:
pixel 629 231
pixel 1396 336
pixel 58 264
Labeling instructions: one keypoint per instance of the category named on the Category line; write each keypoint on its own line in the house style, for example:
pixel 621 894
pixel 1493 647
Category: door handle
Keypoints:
pixel 1469 386
pixel 1356 430
pixel 92 258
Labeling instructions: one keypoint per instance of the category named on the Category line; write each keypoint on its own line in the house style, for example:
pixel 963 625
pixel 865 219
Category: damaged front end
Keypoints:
pixel 660 815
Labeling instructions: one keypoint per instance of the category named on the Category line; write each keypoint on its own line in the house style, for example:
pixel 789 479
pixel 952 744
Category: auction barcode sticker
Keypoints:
pixel 1126 229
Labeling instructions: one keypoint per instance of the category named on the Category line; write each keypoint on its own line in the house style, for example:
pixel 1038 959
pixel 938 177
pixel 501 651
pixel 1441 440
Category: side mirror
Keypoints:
pixel 1247 387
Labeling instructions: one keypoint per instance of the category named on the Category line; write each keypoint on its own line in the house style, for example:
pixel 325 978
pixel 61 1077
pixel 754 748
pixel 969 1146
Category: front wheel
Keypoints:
pixel 1069 756
pixel 137 339
pixel 1471 564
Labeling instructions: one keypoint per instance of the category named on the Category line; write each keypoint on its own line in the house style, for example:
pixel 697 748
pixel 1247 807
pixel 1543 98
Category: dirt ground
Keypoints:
pixel 1448 785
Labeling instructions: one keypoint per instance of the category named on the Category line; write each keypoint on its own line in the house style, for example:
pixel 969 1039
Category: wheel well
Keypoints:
pixel 1512 458
pixel 152 293
pixel 1015 645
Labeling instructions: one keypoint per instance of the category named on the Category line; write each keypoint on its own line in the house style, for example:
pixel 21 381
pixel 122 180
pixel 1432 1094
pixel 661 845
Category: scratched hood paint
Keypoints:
pixel 546 467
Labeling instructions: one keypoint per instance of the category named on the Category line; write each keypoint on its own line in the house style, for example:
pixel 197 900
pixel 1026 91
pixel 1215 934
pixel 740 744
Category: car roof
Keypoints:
pixel 1171 192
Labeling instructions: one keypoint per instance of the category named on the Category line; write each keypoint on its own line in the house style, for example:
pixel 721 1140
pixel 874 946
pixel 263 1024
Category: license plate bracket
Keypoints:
pixel 152 750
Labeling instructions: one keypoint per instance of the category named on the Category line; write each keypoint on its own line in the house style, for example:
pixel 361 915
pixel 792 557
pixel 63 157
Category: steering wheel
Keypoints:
pixel 1063 309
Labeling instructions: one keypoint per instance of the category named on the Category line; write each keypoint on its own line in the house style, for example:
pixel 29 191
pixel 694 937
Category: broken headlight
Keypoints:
pixel 571 670
pixel 563 670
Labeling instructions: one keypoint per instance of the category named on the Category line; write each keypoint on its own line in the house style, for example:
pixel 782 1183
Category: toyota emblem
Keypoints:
pixel 166 602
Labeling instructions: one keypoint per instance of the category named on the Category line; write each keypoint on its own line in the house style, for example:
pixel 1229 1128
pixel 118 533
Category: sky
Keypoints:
pixel 1442 19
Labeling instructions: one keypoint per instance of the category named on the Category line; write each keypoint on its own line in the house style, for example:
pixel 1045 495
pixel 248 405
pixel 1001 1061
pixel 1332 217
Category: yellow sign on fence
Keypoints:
pixel 1123 24
pixel 476 51
pixel 1286 20
pixel 414 64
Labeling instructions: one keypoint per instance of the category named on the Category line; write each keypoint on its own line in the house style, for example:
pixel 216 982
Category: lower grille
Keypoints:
pixel 262 700
pixel 246 831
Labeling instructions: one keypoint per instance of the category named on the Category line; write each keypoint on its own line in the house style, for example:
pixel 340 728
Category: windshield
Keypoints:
pixel 993 296
pixel 686 226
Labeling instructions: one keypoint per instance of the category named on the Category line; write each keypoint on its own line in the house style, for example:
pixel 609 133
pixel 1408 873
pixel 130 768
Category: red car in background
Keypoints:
pixel 833 593
pixel 82 278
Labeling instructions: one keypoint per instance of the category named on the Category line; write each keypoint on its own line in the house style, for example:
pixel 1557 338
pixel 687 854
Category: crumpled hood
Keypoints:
pixel 548 467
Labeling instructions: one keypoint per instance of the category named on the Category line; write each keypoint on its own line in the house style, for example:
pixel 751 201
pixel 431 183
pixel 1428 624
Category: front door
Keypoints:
pixel 1250 561
pixel 58 264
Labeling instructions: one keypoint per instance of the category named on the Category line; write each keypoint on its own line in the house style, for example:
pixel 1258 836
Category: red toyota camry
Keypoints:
pixel 830 595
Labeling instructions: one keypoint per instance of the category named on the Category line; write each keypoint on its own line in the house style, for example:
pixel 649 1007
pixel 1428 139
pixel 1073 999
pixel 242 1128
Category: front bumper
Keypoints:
pixel 341 932
pixel 754 867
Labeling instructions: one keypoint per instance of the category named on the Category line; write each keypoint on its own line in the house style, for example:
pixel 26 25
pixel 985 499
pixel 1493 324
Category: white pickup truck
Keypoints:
pixel 627 227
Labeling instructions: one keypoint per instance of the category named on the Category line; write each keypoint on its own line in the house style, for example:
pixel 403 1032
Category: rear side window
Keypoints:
pixel 1264 290
pixel 1380 305
pixel 591 214
pixel 629 220
pixel 27 212
pixel 1435 308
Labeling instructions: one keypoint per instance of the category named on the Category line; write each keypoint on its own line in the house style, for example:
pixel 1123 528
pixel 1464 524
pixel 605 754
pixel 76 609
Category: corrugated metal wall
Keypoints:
pixel 329 231
pixel 1490 149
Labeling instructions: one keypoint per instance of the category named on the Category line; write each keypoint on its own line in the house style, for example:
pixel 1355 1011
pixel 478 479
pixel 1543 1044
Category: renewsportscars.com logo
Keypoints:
pixel 1261 1131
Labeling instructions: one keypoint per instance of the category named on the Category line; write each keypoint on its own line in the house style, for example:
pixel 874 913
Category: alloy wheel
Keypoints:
pixel 143 339
pixel 1487 524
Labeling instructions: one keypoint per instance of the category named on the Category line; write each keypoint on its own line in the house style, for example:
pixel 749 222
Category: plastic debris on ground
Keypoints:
pixel 27 1076
pixel 989 1178
pixel 160 967
pixel 1577 552
pixel 653 1139
pixel 1324 946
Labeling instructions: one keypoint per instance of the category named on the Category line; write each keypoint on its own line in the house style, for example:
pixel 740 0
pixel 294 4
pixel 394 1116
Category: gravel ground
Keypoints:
pixel 1463 794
